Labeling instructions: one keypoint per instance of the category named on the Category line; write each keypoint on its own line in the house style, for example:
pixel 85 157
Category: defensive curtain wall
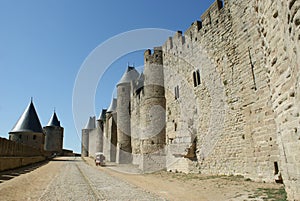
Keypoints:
pixel 227 92
pixel 242 114
pixel 13 155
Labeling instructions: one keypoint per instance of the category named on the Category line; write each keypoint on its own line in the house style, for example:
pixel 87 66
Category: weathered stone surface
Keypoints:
pixel 222 97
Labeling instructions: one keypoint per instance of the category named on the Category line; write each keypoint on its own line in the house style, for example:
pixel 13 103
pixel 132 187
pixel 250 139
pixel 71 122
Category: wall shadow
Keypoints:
pixel 10 174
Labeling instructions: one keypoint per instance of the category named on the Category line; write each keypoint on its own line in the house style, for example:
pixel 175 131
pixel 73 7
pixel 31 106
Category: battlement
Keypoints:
pixel 208 19
pixel 155 51
pixel 153 57
pixel 215 7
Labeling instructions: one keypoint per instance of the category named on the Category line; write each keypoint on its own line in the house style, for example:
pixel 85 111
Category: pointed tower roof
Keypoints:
pixel 102 116
pixel 54 120
pixel 28 122
pixel 130 74
pixel 91 124
pixel 113 106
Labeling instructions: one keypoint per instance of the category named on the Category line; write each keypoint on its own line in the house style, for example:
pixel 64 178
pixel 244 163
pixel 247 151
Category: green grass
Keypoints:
pixel 270 194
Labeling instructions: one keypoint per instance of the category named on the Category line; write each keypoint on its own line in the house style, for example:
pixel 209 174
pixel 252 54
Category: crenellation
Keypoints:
pixel 168 44
pixel 192 32
pixel 153 57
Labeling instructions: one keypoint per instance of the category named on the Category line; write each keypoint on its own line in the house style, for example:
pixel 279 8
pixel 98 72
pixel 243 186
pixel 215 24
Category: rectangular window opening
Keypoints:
pixel 276 169
pixel 194 78
pixel 198 77
pixel 176 92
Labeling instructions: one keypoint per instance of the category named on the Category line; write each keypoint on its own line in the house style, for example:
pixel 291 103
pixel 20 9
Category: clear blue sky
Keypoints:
pixel 44 43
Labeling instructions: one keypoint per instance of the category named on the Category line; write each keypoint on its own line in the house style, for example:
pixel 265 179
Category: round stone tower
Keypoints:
pixel 110 130
pixel 91 125
pixel 54 135
pixel 100 130
pixel 28 129
pixel 123 116
pixel 153 111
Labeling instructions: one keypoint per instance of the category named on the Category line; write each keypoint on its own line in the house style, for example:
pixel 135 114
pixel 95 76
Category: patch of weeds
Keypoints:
pixel 192 176
pixel 271 194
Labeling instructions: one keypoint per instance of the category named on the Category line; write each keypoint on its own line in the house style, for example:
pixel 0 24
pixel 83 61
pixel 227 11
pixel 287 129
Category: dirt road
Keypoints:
pixel 69 179
pixel 73 179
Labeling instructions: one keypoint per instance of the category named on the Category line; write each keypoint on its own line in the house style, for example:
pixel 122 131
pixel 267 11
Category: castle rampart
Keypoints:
pixel 226 93
pixel 220 110
pixel 13 154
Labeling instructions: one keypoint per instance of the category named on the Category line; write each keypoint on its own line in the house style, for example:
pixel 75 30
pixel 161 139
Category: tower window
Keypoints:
pixel 196 78
pixel 176 92
pixel 129 108
pixel 276 169
pixel 34 137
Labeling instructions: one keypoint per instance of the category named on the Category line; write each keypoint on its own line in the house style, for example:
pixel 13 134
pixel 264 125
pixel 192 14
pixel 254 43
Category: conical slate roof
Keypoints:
pixel 102 116
pixel 91 124
pixel 54 120
pixel 28 122
pixel 130 74
pixel 113 106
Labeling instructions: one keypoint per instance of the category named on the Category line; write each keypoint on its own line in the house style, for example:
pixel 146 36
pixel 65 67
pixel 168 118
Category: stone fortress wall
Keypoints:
pixel 10 148
pixel 226 113
pixel 14 154
pixel 220 98
pixel 243 115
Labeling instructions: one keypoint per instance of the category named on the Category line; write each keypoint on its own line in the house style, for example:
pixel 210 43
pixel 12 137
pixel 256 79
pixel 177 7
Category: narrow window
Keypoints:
pixel 276 169
pixel 198 77
pixel 34 137
pixel 176 90
pixel 175 126
pixel 195 79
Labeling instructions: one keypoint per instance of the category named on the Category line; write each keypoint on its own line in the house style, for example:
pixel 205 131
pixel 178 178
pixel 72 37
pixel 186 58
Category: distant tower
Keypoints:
pixel 28 129
pixel 100 130
pixel 54 135
pixel 110 133
pixel 91 125
pixel 123 116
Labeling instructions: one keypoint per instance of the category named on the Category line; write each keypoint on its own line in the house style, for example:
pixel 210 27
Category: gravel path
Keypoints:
pixel 75 180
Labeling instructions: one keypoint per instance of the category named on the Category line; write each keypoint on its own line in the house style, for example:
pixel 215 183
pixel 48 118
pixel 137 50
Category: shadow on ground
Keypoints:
pixel 10 174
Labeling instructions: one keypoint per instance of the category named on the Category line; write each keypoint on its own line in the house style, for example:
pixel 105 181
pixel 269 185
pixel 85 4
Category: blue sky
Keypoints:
pixel 43 44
